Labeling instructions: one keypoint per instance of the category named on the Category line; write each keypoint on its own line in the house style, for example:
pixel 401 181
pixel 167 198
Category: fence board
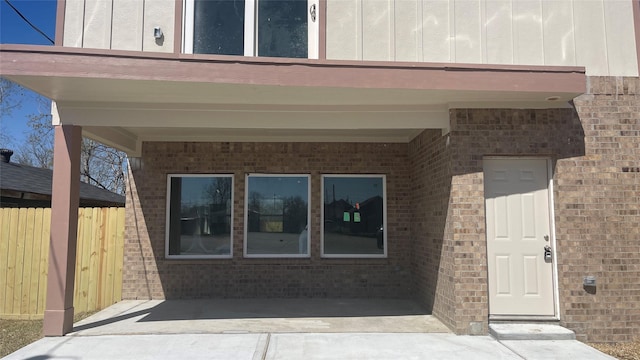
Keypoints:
pixel 111 241
pixel 28 253
pixel 5 220
pixel 45 240
pixel 35 260
pixel 11 266
pixel 24 255
pixel 94 252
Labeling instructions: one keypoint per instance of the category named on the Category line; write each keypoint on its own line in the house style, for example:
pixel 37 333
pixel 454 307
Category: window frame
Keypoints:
pixel 168 219
pixel 250 19
pixel 246 217
pixel 384 254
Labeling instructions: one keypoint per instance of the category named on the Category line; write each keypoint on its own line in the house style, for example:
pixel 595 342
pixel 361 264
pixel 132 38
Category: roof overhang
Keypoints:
pixel 123 98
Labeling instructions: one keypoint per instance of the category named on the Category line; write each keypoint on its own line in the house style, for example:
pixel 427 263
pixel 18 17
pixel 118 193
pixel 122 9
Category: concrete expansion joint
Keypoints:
pixel 262 347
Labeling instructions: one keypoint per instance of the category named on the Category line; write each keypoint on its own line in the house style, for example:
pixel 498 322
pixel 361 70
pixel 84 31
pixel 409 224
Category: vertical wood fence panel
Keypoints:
pixel 24 258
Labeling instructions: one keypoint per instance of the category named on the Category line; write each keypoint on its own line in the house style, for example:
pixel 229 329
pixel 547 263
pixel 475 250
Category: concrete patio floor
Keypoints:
pixel 225 316
pixel 282 329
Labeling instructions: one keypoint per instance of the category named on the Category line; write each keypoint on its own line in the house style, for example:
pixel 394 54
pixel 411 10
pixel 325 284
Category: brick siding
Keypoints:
pixel 436 226
pixel 148 274
pixel 597 202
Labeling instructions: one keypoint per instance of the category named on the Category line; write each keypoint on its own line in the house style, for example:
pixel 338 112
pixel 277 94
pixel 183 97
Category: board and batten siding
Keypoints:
pixel 597 34
pixel 119 24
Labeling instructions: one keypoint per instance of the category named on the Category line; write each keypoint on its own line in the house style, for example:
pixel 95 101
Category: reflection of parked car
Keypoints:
pixel 380 237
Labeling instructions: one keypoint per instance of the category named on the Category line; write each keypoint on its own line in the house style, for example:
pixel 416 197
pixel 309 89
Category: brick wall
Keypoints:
pixel 436 226
pixel 597 201
pixel 432 263
pixel 595 151
pixel 484 132
pixel 148 275
pixel 449 227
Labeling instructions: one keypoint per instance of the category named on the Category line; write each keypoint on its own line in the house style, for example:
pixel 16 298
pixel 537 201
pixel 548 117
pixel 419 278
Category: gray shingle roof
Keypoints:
pixel 35 180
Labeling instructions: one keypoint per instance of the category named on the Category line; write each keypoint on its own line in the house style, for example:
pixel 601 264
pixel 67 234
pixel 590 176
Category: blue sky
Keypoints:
pixel 14 30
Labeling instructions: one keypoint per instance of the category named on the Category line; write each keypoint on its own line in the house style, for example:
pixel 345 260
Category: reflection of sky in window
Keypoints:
pixel 270 187
pixel 356 189
pixel 194 190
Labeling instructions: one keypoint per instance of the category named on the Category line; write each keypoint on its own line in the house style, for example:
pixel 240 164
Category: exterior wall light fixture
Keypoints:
pixel 157 33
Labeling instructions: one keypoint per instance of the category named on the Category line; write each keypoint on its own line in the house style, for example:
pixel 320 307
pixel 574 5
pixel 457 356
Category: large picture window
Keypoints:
pixel 199 216
pixel 276 28
pixel 354 216
pixel 277 216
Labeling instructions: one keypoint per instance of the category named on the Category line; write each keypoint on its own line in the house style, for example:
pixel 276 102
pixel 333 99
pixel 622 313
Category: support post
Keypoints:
pixel 65 196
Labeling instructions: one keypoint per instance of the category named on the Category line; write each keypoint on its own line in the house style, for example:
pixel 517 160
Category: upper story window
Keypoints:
pixel 276 28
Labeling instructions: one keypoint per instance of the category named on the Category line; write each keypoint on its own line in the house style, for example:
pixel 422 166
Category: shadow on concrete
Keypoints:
pixel 203 309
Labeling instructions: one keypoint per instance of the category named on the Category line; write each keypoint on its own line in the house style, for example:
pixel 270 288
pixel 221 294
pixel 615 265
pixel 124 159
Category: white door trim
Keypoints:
pixel 552 240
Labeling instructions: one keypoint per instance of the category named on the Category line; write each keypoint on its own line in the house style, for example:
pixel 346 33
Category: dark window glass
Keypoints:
pixel 277 215
pixel 282 28
pixel 200 214
pixel 353 215
pixel 218 27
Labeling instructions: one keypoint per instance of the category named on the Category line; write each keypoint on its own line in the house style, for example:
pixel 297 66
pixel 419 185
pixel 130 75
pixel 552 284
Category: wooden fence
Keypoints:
pixel 24 258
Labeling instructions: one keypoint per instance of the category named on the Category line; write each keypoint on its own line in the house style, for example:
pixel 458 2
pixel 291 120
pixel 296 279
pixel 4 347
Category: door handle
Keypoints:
pixel 312 11
pixel 548 257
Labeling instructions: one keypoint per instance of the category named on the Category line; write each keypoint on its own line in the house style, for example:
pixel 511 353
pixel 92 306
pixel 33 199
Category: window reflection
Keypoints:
pixel 218 27
pixel 277 215
pixel 200 215
pixel 282 28
pixel 353 215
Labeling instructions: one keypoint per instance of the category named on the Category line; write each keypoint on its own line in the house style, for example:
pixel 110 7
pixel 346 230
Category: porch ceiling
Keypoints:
pixel 124 98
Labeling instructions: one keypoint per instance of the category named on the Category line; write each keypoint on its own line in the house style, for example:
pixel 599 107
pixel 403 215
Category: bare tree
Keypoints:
pixel 101 165
pixel 10 99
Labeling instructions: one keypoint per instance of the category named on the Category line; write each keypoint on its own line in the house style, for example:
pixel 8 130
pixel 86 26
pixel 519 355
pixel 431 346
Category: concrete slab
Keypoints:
pixel 554 350
pixel 385 346
pixel 143 347
pixel 260 316
pixel 280 329
pixel 344 346
pixel 530 331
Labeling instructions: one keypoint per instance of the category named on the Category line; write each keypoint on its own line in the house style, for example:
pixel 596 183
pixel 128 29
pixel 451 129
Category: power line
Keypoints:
pixel 29 22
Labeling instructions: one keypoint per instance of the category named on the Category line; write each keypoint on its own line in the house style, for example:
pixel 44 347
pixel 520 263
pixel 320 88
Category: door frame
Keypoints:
pixel 552 240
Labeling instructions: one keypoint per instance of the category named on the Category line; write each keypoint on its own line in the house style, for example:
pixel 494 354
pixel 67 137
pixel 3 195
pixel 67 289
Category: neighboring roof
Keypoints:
pixel 29 179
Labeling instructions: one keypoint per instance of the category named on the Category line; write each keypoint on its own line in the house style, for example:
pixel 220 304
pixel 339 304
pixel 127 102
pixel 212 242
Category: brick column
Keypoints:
pixel 65 194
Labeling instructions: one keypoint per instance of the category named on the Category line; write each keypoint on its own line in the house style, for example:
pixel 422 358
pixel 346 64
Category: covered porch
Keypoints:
pixel 211 106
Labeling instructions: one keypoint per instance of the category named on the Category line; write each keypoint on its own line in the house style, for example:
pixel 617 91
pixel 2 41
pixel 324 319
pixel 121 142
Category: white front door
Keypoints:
pixel 518 230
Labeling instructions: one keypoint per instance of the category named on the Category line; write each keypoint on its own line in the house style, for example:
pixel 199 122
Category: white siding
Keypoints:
pixel 498 32
pixel 467 31
pixel 436 27
pixel 597 34
pixel 407 28
pixel 378 30
pixel 158 13
pixel 591 43
pixel 119 24
pixel 97 24
pixel 73 23
pixel 344 22
pixel 527 32
pixel 620 49
pixel 127 29
pixel 559 41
